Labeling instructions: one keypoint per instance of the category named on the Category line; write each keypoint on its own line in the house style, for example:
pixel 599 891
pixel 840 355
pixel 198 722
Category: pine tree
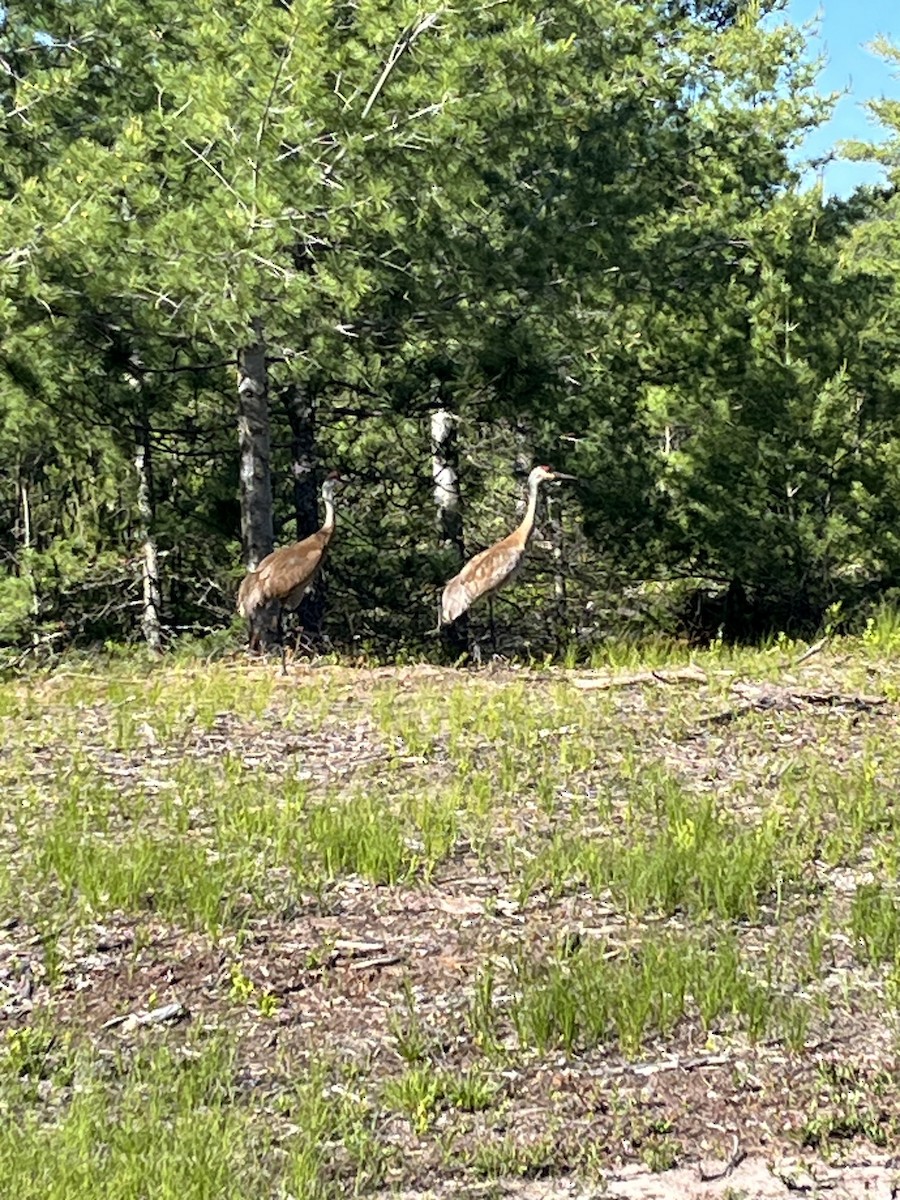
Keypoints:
pixel 580 220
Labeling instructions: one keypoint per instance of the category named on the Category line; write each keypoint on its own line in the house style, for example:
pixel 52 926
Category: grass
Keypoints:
pixel 414 917
pixel 875 923
pixel 207 845
pixel 422 1091
pixel 675 852
pixel 170 1122
pixel 852 1104
pixel 588 998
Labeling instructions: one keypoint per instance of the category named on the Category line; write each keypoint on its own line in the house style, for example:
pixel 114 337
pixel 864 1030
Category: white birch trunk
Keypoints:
pixel 447 502
pixel 26 513
pixel 445 476
pixel 257 526
pixel 151 602
pixel 27 572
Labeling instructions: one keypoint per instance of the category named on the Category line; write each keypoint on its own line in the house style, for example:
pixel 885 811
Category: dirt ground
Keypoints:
pixel 753 1178
pixel 733 1115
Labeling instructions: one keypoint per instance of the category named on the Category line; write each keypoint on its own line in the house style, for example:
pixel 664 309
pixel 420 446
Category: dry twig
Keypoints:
pixel 689 674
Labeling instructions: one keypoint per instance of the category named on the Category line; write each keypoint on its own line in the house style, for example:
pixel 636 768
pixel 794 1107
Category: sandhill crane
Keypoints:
pixel 492 568
pixel 284 577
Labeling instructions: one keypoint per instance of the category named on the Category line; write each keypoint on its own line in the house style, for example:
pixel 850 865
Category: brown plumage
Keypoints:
pixel 492 568
pixel 284 577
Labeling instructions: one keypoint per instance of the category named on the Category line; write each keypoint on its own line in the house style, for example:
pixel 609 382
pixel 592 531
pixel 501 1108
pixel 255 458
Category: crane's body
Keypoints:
pixel 284 577
pixel 488 571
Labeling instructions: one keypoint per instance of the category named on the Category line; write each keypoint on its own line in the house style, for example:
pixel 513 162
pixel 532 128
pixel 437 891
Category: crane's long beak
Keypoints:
pixel 560 475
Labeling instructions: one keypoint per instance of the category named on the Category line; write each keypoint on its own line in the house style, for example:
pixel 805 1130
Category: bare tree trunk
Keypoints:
pixel 300 409
pixel 151 601
pixel 524 458
pixel 26 564
pixel 26 513
pixel 445 476
pixel 257 526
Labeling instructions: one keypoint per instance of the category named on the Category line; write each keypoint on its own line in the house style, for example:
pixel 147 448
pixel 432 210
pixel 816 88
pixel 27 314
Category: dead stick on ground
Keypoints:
pixel 669 1064
pixel 814 649
pixel 775 699
pixel 677 675
pixel 736 1157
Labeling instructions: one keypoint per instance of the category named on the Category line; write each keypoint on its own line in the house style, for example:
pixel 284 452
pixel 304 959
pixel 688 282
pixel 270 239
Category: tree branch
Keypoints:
pixel 402 44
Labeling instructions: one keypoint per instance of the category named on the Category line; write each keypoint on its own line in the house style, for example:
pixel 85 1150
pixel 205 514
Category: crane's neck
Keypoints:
pixel 328 523
pixel 527 526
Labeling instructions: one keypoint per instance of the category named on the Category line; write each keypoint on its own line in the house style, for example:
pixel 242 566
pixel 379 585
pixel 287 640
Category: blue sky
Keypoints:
pixel 845 27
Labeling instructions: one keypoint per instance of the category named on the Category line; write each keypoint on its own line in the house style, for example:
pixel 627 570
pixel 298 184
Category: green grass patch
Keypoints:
pixel 209 844
pixel 589 998
pixel 363 835
pixel 422 1092
pixel 674 851
pixel 175 1124
pixel 613 873
pixel 875 924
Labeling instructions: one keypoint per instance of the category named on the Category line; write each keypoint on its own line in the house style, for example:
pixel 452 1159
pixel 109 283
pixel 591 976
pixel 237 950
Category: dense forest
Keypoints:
pixel 245 244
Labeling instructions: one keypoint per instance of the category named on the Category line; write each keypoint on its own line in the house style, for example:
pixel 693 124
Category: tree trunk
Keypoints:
pixel 26 564
pixel 445 473
pixel 26 512
pixel 151 600
pixel 257 527
pixel 445 476
pixel 300 409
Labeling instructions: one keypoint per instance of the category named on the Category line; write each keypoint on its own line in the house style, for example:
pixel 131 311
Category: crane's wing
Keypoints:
pixel 288 573
pixel 248 597
pixel 482 574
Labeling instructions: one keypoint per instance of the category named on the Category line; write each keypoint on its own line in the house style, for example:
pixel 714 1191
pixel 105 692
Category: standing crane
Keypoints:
pixel 492 568
pixel 284 577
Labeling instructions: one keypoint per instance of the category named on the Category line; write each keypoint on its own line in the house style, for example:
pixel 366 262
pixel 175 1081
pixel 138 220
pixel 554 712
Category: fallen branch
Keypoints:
pixel 688 674
pixel 836 700
pixel 769 695
pixel 736 1157
pixel 819 645
pixel 762 698
pixel 671 1064
pixel 366 964
pixel 155 1016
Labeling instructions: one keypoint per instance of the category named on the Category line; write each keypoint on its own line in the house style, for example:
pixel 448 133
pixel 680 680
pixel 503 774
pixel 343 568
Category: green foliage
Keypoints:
pixel 171 1122
pixel 421 1092
pixel 683 857
pixel 585 225
pixel 16 601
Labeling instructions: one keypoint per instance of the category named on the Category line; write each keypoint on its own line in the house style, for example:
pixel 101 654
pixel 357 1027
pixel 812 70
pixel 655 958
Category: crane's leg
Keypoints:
pixel 255 643
pixel 281 640
pixel 493 627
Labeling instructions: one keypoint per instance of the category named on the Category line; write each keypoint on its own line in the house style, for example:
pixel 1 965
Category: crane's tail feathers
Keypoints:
pixel 249 597
pixel 454 603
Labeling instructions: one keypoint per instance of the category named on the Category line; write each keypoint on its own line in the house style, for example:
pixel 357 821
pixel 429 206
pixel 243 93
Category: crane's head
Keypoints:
pixel 546 475
pixel 333 482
